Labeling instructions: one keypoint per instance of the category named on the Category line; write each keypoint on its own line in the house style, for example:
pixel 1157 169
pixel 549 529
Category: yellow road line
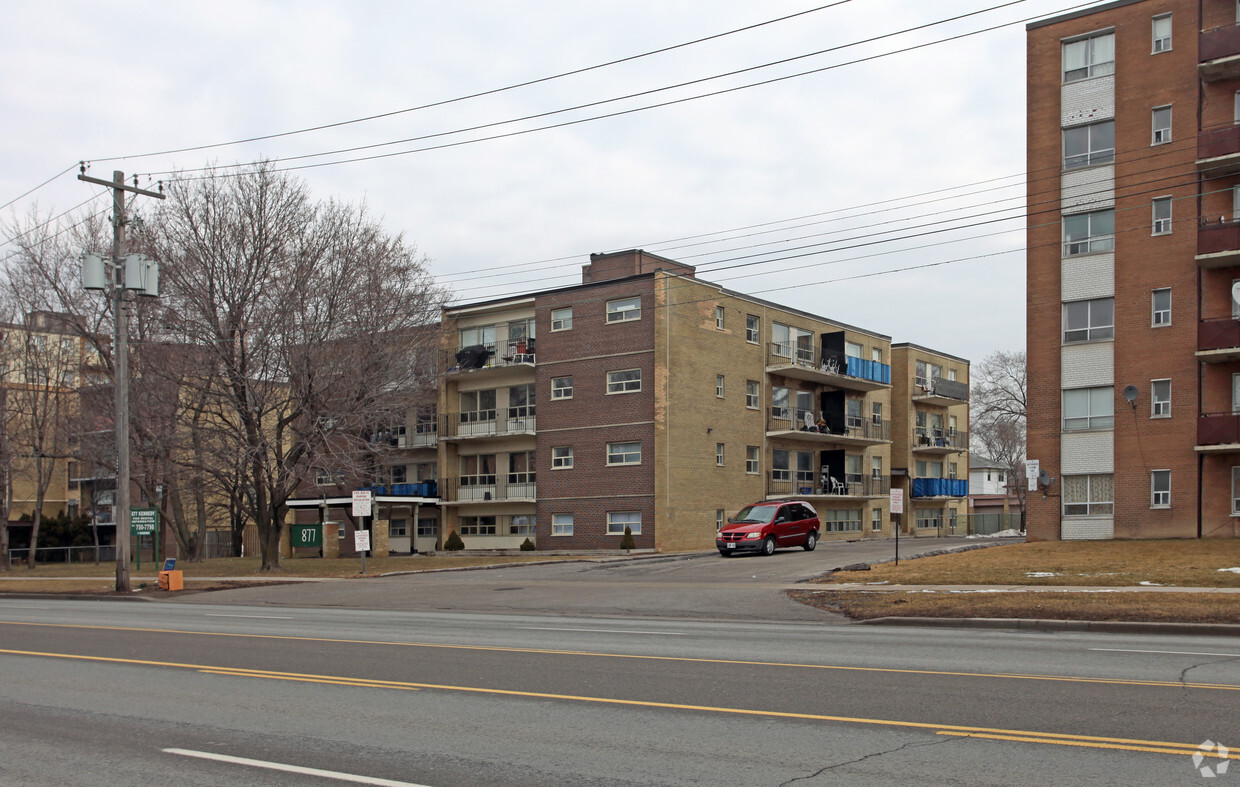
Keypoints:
pixel 595 654
pixel 1162 747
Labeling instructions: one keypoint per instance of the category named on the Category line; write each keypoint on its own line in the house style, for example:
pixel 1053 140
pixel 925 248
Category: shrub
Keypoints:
pixel 453 543
pixel 527 546
pixel 626 541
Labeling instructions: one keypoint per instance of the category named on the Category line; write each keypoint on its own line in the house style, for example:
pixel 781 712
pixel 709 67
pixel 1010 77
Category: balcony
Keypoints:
pixel 504 488
pixel 1218 54
pixel 423 489
pixel 481 424
pixel 1218 432
pixel 832 367
pixel 938 391
pixel 936 441
pixel 786 483
pixel 425 435
pixel 1218 151
pixel 1218 340
pixel 940 487
pixel 483 358
pixel 1218 243
pixel 856 431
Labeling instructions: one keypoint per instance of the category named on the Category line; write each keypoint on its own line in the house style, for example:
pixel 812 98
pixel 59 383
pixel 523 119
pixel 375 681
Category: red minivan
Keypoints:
pixel 766 526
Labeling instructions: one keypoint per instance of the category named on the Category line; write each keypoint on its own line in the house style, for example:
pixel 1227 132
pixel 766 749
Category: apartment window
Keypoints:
pixel 477 525
pixel 624 453
pixel 1160 399
pixel 522 525
pixel 483 335
pixel 625 381
pixel 561 524
pixel 929 518
pixel 398 474
pixel 561 387
pixel 521 466
pixel 781 339
pixel 719 386
pixel 478 406
pixel 876 519
pixel 853 349
pixel 951 374
pixel 1087 321
pixel 752 329
pixel 876 354
pixel 1089 408
pixel 1235 491
pixel 1160 306
pixel 1089 233
pixel 753 459
pixel 1093 56
pixel 720 518
pixel 624 310
pixel 1161 33
pixel 951 470
pixel 561 457
pixel 924 469
pixel 779 403
pixel 780 469
pixel 324 477
pixel 1161 210
pixel 428 527
pixel 1160 123
pixel 920 374
pixel 876 413
pixel 719 312
pixel 841 520
pixel 1085 146
pixel 752 394
pixel 1160 489
pixel 876 467
pixel 617 521
pixel 478 470
pixel 1088 495
pixel 719 456
pixel 561 319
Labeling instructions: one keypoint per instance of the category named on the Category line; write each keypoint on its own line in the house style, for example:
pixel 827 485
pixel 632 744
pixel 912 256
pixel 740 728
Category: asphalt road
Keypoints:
pixel 701 586
pixel 130 693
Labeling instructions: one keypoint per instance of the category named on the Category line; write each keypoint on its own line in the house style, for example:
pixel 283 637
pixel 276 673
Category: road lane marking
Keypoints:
pixel 286 768
pixel 261 617
pixel 604 631
pixel 356 682
pixel 1166 652
pixel 1085 743
pixel 1165 747
pixel 639 657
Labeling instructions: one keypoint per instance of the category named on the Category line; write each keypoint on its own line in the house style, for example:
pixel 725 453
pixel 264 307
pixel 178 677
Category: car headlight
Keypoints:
pixel 755 534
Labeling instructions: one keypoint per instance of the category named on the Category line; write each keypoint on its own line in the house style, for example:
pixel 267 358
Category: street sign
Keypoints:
pixel 361 502
pixel 361 540
pixel 897 501
pixel 1032 468
pixel 306 535
pixel 143 521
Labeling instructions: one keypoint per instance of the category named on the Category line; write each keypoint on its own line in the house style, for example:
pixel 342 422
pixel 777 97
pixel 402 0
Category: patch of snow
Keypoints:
pixel 1000 534
pixel 1041 574
pixel 884 582
pixel 1147 582
pixel 1232 570
pixel 988 590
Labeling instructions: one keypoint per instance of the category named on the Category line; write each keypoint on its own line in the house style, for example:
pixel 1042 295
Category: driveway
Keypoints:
pixel 693 586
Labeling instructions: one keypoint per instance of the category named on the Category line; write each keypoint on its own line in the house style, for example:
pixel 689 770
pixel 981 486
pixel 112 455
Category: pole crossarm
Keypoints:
pixel 121 186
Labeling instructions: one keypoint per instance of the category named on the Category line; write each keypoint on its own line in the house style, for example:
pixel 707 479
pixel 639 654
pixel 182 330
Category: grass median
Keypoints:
pixel 1101 568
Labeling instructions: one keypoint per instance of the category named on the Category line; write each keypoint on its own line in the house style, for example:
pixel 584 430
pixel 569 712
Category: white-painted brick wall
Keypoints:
pixel 1091 188
pixel 1087 101
pixel 1093 529
pixel 1085 365
pixel 1087 452
pixel 1087 276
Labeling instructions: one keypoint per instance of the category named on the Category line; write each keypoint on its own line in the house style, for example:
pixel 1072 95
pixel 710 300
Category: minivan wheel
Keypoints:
pixel 811 541
pixel 768 546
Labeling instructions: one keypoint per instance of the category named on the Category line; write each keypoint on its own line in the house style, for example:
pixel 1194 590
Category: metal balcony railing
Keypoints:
pixel 520 352
pixel 497 487
pixel 1218 429
pixel 800 482
pixel 926 437
pixel 488 423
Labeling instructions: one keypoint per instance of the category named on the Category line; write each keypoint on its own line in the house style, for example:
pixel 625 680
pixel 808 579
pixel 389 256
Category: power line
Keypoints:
pixel 41 185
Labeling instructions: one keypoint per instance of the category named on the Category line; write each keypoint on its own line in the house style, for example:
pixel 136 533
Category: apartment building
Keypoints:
pixel 1133 257
pixel 648 399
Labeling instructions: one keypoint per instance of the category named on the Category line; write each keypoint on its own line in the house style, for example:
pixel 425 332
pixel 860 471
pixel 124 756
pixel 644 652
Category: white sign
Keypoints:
pixel 361 502
pixel 361 541
pixel 1033 468
pixel 897 501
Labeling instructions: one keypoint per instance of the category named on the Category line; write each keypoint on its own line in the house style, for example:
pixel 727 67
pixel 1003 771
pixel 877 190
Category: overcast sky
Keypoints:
pixel 799 191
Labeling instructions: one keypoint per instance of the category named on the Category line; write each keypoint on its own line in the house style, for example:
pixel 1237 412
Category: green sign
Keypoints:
pixel 306 535
pixel 143 521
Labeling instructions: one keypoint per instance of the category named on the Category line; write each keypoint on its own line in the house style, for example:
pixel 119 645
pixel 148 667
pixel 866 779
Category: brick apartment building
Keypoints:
pixel 1133 253
pixel 650 399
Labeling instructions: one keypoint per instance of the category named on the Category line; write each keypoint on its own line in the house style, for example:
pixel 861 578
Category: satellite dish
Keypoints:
pixel 1130 393
pixel 1044 479
pixel 1235 292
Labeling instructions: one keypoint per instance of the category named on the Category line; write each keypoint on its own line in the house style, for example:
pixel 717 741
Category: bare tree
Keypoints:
pixel 998 410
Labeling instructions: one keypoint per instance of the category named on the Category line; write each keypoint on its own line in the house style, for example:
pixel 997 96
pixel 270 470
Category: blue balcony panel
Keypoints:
pixel 940 487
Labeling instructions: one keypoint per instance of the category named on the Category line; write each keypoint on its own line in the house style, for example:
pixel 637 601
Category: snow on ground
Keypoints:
pixel 1232 570
pixel 1041 574
pixel 1000 534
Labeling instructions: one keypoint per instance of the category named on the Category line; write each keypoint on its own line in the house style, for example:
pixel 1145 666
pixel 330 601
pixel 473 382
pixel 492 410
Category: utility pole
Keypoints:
pixel 120 345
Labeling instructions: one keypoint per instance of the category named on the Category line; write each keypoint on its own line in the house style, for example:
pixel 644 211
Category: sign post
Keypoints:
pixel 361 543
pixel 144 522
pixel 362 499
pixel 897 507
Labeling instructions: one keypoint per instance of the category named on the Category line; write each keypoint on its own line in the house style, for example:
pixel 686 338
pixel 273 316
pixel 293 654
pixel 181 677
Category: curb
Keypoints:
pixel 1044 624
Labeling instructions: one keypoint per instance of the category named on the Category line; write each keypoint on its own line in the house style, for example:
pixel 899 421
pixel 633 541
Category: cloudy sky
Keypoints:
pixel 878 179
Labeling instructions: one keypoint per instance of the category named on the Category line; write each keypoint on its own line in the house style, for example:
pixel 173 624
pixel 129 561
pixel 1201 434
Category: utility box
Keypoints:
pixel 171 580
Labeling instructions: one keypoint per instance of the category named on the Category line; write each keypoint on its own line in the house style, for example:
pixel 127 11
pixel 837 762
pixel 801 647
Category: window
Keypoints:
pixel 841 520
pixel 561 524
pixel 876 354
pixel 562 319
pixel 483 335
pixel 1160 399
pixel 1161 210
pixel 624 310
pixel 617 521
pixel 780 469
pixel 478 470
pixel 720 518
pixel 561 387
pixel 324 477
pixel 478 406
pixel 561 457
pixel 1089 408
pixel 521 466
pixel 1089 57
pixel 1087 321
pixel 1085 146
pixel 1160 125
pixel 876 467
pixel 397 474
pixel 1161 33
pixel 719 456
pixel 1088 495
pixel 719 386
pixel 425 471
pixel 852 349
pixel 626 381
pixel 852 413
pixel 921 378
pixel 925 469
pixel 876 519
pixel 752 394
pixel 951 374
pixel 520 402
pixel 929 518
pixel 624 453
pixel 781 339
pixel 477 525
pixel 951 470
pixel 719 312
pixel 779 403
pixel 1160 305
pixel 876 413
pixel 1160 489
pixel 753 459
pixel 1089 233
pixel 522 525
pixel 1235 491
pixel 752 329
pixel 428 527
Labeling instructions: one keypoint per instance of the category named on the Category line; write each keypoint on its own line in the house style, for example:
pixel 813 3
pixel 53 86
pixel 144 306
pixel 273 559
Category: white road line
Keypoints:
pixel 261 617
pixel 279 766
pixel 1168 652
pixel 604 631
pixel 20 606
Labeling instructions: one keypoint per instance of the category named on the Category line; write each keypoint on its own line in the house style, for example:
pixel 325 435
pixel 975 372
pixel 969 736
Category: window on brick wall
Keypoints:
pixel 1088 495
pixel 1086 146
pixel 1160 222
pixel 753 459
pixel 1235 491
pixel 1089 408
pixel 562 319
pixel 1160 489
pixel 624 453
pixel 752 394
pixel 561 387
pixel 624 381
pixel 1161 33
pixel 1160 307
pixel 719 454
pixel 624 310
pixel 719 314
pixel 1089 233
pixel 876 519
pixel 561 524
pixel 1160 399
pixel 753 327
pixel 617 521
pixel 1087 321
pixel 719 386
pixel 1091 56
pixel 1160 125
pixel 561 457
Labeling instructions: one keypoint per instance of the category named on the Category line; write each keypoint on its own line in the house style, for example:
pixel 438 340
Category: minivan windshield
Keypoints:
pixel 755 515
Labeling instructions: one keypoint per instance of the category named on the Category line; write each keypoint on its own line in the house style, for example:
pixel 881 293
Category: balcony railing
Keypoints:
pixel 422 489
pixel 865 428
pixel 824 364
pixel 940 487
pixel 793 482
pixel 1218 429
pixel 926 438
pixel 488 423
pixel 1220 237
pixel 1218 334
pixel 1214 50
pixel 1216 143
pixel 490 356
pixel 483 488
pixel 941 388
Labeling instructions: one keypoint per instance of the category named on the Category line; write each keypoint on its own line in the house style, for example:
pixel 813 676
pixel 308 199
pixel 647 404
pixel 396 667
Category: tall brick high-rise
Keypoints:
pixel 1133 253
